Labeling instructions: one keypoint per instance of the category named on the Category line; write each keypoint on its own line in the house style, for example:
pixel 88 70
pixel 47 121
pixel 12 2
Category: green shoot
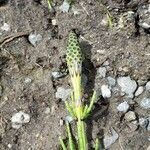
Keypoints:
pixel 75 106
pixel 49 2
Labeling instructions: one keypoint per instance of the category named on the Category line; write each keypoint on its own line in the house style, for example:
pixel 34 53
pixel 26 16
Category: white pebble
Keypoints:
pixel 5 27
pixel 57 75
pixel 127 85
pixel 54 22
pixel 102 72
pixel 145 103
pixel 139 91
pixel 19 118
pixel 106 93
pixel 148 86
pixel 63 93
pixel 123 107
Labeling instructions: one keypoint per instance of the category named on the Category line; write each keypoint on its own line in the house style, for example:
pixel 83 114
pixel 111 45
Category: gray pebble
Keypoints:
pixel 63 93
pixel 139 91
pixel 101 72
pixel 110 139
pixel 123 107
pixel 148 127
pixel 127 85
pixel 69 119
pixel 19 119
pixel 145 103
pixel 34 38
pixel 130 116
pixel 65 6
pixel 57 75
pixel 111 81
pixel 47 110
pixel 106 92
pixel 148 86
pixel 144 13
pixel 143 122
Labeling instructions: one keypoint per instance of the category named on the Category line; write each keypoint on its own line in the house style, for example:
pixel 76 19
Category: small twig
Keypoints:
pixel 9 38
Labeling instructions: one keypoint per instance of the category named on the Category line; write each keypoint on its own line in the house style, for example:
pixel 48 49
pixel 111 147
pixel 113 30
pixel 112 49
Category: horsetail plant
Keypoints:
pixel 75 106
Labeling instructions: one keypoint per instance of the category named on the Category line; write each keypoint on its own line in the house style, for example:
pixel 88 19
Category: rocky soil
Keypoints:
pixel 34 81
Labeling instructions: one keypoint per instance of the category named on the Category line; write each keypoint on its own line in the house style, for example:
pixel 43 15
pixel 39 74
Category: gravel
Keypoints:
pixel 19 119
pixel 123 107
pixel 128 86
pixel 106 93
pixel 130 116
pixel 148 86
pixel 34 39
pixel 101 72
pixel 139 91
pixel 145 103
pixel 63 93
pixel 111 81
pixel 110 139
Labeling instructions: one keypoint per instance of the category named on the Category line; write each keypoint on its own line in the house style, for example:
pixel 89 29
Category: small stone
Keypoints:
pixel 61 122
pixel 54 22
pixel 143 122
pixel 145 103
pixel 148 86
pixel 144 13
pixel 9 145
pixel 57 75
pixel 111 81
pixel 47 110
pixel 127 85
pixel 106 63
pixel 130 116
pixel 75 11
pixel 110 139
pixel 34 38
pixel 139 91
pixel 19 118
pixel 69 119
pixel 63 93
pixel 28 80
pixel 65 6
pixel 102 72
pixel 5 27
pixel 123 107
pixel 133 126
pixel 106 93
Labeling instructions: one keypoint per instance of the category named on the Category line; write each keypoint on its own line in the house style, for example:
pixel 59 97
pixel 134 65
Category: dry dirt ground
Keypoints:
pixel 126 47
